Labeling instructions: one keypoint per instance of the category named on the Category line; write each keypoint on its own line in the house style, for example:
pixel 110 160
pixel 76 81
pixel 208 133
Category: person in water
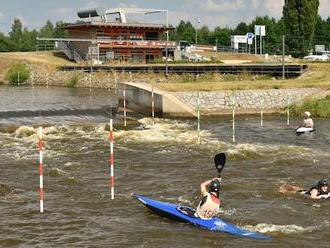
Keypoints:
pixel 308 122
pixel 208 207
pixel 320 190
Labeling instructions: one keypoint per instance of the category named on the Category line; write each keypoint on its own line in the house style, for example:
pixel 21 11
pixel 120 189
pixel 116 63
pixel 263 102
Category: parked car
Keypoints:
pixel 322 57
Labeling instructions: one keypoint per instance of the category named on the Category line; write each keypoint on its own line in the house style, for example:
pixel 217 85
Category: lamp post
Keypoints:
pixel 197 21
pixel 166 48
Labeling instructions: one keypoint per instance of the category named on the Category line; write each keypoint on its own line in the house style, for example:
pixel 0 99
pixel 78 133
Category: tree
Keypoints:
pixel 47 31
pixel 204 35
pixel 29 40
pixel 185 31
pixel 16 34
pixel 59 32
pixel 322 32
pixel 4 43
pixel 299 24
pixel 222 35
pixel 241 29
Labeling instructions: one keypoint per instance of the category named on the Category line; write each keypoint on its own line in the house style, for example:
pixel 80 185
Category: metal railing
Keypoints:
pixel 71 53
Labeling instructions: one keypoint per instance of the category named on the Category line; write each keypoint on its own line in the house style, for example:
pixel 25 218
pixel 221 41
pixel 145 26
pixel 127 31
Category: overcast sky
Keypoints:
pixel 212 13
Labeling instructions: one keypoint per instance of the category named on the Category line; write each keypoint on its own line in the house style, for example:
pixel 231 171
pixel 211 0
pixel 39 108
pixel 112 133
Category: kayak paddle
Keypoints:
pixel 219 162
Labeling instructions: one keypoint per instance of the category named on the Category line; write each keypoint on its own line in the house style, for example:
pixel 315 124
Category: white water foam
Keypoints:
pixel 267 228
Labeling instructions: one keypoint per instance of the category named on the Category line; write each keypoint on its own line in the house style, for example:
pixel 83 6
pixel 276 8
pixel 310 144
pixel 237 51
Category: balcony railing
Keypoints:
pixel 106 42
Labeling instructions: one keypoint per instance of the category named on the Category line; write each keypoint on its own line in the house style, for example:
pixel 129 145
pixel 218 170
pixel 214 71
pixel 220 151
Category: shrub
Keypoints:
pixel 318 108
pixel 72 82
pixel 18 74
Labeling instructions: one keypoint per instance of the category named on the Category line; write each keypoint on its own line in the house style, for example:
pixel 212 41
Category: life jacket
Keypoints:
pixel 208 207
pixel 319 192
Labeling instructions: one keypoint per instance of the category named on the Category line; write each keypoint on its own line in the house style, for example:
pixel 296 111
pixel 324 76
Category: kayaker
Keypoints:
pixel 208 207
pixel 308 122
pixel 320 191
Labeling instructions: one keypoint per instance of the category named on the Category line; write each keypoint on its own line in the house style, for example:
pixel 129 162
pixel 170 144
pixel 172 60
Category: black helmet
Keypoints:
pixel 322 183
pixel 214 186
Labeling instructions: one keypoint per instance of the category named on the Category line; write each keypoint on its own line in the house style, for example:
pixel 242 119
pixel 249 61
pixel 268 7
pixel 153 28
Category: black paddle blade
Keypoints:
pixel 220 161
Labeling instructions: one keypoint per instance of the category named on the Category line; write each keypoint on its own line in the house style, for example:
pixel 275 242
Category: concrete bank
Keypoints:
pixel 183 104
pixel 246 101
pixel 178 104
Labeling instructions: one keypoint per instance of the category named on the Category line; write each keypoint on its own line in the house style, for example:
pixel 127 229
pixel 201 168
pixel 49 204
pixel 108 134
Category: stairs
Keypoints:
pixel 71 53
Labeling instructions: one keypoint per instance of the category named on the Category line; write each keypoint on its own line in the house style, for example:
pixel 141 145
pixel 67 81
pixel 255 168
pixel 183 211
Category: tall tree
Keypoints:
pixel 204 36
pixel 47 31
pixel 186 31
pixel 59 32
pixel 299 23
pixel 16 34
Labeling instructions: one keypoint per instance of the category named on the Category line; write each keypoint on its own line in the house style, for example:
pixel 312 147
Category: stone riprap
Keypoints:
pixel 272 100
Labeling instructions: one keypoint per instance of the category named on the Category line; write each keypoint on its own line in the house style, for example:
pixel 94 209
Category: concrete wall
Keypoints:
pixel 246 101
pixel 140 100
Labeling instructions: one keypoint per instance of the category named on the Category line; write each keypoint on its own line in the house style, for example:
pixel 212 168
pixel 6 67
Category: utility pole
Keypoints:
pixel 260 44
pixel 283 59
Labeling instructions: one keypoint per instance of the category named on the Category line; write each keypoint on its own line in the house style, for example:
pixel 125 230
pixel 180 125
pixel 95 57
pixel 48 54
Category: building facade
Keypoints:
pixel 95 37
pixel 119 42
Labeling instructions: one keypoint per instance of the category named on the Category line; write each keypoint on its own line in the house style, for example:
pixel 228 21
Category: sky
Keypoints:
pixel 212 13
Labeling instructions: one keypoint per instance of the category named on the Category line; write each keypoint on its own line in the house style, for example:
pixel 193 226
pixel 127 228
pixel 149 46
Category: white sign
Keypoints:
pixel 257 29
pixel 260 30
pixel 319 48
pixel 238 38
pixel 263 30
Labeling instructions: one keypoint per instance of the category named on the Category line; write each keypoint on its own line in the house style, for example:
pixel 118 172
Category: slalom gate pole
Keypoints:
pixel 41 179
pixel 111 160
pixel 288 112
pixel 153 105
pixel 109 77
pixel 47 80
pixel 115 82
pixel 125 111
pixel 233 106
pixel 262 111
pixel 198 120
pixel 90 80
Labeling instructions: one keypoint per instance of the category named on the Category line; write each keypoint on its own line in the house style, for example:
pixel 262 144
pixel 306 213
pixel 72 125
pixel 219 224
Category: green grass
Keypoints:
pixel 318 108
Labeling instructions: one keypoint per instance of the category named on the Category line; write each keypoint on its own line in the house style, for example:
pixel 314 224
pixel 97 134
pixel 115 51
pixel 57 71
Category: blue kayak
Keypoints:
pixel 186 214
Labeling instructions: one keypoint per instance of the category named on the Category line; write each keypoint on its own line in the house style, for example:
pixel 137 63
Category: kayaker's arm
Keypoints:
pixel 205 184
pixel 204 187
pixel 314 195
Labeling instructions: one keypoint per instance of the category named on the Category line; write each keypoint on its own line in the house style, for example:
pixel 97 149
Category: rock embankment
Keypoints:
pixel 246 101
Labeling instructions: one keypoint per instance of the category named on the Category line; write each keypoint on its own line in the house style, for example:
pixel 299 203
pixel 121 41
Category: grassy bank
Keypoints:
pixel 45 59
pixel 318 75
pixel 318 107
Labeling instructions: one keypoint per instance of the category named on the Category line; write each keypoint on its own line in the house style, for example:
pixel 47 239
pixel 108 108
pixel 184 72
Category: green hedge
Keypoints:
pixel 18 74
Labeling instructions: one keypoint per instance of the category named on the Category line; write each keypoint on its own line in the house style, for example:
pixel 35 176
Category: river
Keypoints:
pixel 161 161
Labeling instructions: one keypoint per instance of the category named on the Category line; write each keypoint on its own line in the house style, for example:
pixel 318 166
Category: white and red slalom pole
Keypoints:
pixel 41 179
pixel 111 160
pixel 125 111
pixel 153 105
